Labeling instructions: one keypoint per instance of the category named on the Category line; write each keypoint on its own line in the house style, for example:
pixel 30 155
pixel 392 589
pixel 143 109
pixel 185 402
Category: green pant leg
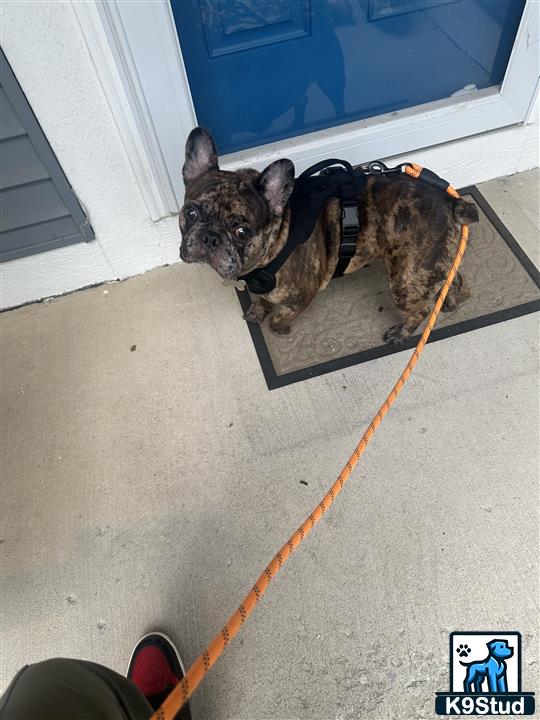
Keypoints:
pixel 63 689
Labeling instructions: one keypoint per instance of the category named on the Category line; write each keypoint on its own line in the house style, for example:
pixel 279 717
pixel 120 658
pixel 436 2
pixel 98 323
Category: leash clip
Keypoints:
pixel 377 167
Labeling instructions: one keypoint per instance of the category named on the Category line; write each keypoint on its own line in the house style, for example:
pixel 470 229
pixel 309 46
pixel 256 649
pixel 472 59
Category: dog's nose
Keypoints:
pixel 211 240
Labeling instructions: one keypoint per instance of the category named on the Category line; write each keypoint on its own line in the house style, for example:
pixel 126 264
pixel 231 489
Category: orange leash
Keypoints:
pixel 187 686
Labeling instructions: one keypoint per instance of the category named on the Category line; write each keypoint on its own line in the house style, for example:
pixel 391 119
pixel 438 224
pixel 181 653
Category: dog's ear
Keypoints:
pixel 201 154
pixel 276 183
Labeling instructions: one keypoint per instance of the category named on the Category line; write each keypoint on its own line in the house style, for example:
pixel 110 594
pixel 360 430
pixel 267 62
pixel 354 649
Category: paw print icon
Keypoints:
pixel 463 650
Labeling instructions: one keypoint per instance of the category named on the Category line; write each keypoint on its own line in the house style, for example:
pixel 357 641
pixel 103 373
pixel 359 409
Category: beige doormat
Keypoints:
pixel 344 325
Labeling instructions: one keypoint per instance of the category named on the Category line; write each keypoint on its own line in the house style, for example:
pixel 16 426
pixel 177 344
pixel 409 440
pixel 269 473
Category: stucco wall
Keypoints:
pixel 44 45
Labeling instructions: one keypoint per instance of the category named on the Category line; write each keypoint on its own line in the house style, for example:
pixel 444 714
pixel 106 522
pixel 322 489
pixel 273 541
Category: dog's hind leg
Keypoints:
pixel 400 332
pixel 478 684
pixel 412 296
pixel 456 294
pixel 416 306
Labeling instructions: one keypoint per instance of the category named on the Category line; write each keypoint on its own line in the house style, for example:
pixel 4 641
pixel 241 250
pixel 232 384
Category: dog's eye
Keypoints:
pixel 242 232
pixel 190 213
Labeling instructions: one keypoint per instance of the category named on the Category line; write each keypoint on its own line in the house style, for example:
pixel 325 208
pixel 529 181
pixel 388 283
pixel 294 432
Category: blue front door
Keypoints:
pixel 264 70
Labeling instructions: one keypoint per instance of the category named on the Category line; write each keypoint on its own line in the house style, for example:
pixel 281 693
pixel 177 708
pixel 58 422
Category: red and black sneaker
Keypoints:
pixel 156 667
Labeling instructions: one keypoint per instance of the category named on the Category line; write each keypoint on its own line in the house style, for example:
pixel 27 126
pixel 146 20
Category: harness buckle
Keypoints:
pixel 349 215
pixel 349 234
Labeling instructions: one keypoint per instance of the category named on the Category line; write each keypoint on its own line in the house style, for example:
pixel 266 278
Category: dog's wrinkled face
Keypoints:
pixel 230 219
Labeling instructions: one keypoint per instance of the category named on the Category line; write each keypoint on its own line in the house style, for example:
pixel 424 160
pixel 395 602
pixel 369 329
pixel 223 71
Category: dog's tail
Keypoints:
pixel 465 212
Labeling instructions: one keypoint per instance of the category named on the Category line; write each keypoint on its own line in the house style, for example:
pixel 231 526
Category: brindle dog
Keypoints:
pixel 239 221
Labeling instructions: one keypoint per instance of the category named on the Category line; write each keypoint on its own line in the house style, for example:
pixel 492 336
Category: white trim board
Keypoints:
pixel 109 49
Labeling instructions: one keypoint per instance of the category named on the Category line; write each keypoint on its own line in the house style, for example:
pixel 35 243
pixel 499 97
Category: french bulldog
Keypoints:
pixel 239 221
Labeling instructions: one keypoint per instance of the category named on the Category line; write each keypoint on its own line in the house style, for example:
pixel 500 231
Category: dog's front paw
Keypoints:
pixel 257 312
pixel 394 335
pixel 279 326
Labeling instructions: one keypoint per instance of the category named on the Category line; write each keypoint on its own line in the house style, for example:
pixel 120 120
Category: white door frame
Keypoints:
pixel 136 52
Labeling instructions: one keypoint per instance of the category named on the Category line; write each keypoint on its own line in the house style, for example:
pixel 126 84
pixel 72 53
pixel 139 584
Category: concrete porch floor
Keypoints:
pixel 147 488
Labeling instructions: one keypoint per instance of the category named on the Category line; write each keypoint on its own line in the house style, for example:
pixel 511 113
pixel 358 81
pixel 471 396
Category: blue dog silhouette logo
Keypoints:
pixel 485 676
pixel 492 668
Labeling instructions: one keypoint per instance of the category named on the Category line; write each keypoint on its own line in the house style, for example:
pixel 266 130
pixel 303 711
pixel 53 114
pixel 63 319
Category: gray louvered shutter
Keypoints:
pixel 38 209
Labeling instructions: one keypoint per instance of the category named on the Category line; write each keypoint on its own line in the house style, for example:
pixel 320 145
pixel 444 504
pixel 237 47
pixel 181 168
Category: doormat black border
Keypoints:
pixel 274 381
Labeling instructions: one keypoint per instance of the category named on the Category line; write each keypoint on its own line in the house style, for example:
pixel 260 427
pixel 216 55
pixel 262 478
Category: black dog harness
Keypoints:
pixel 307 199
pixel 306 202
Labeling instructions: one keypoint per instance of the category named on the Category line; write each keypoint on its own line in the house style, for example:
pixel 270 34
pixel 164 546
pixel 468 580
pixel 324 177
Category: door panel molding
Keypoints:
pixel 224 38
pixel 152 105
